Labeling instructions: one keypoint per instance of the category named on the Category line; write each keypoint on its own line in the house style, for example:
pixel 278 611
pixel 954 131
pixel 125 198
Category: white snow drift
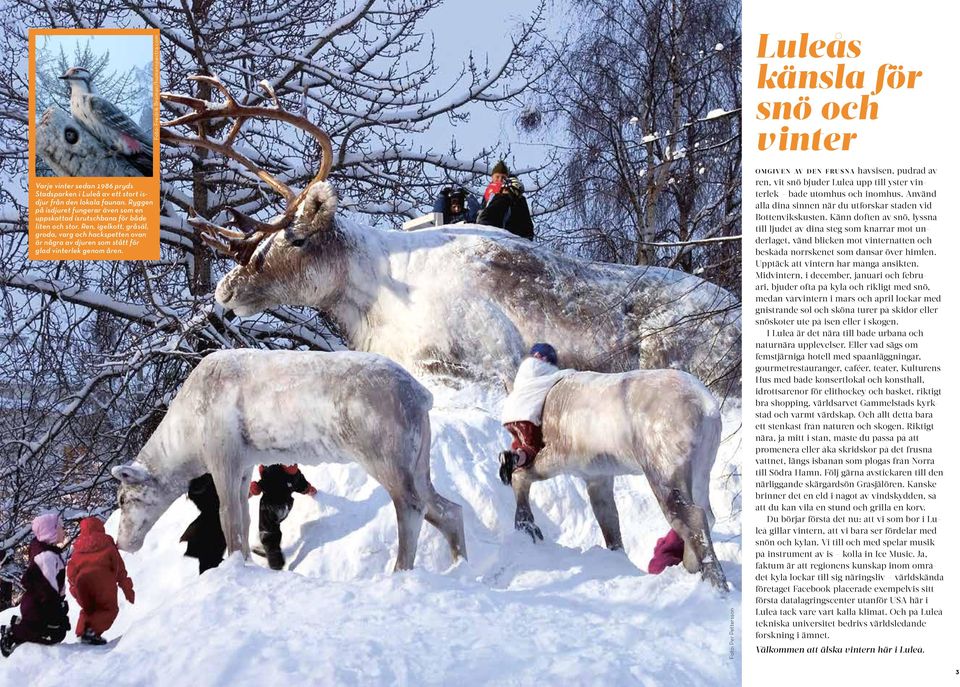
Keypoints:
pixel 562 612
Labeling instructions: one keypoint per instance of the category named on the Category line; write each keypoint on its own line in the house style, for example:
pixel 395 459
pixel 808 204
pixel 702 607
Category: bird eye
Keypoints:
pixel 71 135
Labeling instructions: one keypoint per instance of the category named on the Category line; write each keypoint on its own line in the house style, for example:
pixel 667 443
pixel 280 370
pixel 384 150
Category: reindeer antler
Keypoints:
pixel 240 245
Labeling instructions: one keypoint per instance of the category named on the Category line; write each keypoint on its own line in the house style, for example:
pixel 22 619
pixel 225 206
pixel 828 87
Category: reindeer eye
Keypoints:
pixel 71 135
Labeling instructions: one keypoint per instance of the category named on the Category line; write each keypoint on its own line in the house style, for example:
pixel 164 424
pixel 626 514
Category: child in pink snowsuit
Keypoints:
pixel 43 608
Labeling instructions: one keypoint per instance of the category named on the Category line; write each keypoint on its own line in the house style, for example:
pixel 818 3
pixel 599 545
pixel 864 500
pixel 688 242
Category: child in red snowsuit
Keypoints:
pixel 95 571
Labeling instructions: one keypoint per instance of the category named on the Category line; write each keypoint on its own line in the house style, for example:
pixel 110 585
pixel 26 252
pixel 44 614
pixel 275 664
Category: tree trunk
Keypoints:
pixel 201 279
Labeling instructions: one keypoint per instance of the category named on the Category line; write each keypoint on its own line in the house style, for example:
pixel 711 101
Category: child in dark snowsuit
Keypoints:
pixel 204 536
pixel 276 485
pixel 95 571
pixel 43 608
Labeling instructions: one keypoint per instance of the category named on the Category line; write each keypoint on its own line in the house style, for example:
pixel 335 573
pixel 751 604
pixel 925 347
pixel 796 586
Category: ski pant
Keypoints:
pixel 209 561
pixel 205 540
pixel 527 438
pixel 96 592
pixel 271 515
pixel 508 212
pixel 50 629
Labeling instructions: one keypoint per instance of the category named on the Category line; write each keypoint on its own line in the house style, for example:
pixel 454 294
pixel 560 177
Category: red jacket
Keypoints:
pixel 94 572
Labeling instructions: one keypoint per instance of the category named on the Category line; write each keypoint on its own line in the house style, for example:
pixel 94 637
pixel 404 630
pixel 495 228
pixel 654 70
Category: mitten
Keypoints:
pixel 127 588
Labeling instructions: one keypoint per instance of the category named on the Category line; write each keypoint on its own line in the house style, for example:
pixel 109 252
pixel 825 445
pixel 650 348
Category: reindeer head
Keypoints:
pixel 276 259
pixel 285 268
pixel 142 499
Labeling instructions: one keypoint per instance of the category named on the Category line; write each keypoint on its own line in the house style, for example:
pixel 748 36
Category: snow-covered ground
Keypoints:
pixel 563 612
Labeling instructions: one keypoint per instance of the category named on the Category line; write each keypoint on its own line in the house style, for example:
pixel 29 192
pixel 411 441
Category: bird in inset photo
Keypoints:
pixel 107 122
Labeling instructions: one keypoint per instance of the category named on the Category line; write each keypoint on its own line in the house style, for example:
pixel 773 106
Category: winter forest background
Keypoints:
pixel 621 116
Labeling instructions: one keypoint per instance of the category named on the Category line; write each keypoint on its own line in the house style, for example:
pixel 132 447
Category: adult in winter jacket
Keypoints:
pixel 523 409
pixel 204 536
pixel 504 204
pixel 456 204
pixel 275 487
pixel 94 572
pixel 43 608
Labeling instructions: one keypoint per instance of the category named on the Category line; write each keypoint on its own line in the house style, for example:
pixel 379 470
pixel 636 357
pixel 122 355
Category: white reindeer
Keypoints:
pixel 663 424
pixel 464 302
pixel 242 408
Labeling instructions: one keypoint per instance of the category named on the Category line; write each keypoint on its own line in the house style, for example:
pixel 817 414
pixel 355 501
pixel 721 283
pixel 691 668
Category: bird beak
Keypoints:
pixel 63 77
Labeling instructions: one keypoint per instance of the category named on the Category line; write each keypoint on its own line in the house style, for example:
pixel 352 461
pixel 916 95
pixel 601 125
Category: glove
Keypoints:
pixel 507 463
pixel 311 490
pixel 254 489
pixel 127 588
pixel 515 186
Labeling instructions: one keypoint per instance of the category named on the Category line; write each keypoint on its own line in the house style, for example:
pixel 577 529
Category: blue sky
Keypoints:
pixel 125 51
pixel 485 29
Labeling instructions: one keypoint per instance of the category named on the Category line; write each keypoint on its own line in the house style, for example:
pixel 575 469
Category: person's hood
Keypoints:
pixel 532 367
pixel 48 528
pixel 92 536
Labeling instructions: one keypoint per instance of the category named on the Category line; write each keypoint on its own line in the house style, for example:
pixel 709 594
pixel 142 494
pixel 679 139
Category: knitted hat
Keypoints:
pixel 546 351
pixel 500 168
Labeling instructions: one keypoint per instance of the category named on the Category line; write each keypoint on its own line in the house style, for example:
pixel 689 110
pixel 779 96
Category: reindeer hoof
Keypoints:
pixel 712 573
pixel 530 528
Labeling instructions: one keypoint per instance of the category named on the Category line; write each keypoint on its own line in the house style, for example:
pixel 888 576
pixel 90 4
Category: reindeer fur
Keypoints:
pixel 468 302
pixel 663 424
pixel 242 408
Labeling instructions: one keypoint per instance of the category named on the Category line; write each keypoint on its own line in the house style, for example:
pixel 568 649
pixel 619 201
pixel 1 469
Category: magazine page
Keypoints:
pixel 849 373
pixel 374 342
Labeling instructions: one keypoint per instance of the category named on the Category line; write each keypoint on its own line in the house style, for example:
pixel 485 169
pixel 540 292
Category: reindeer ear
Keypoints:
pixel 131 473
pixel 315 214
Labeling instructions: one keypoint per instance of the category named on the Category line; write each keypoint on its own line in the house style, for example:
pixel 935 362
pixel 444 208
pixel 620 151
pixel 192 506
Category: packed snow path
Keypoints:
pixel 565 612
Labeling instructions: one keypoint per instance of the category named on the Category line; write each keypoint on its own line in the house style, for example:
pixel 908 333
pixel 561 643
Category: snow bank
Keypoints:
pixel 562 612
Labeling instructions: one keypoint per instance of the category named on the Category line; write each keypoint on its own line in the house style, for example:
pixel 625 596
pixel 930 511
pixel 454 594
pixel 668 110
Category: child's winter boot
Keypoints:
pixel 92 638
pixel 7 644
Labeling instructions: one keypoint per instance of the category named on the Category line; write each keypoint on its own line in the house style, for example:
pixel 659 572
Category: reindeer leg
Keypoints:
pixel 226 481
pixel 600 491
pixel 409 522
pixel 245 512
pixel 691 523
pixel 523 518
pixel 442 513
pixel 447 517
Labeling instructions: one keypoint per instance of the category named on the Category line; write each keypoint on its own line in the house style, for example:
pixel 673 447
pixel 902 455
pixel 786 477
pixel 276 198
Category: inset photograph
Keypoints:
pixel 94 105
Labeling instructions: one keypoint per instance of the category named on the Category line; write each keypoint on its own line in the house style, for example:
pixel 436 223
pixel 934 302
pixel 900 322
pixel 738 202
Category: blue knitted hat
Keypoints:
pixel 545 350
